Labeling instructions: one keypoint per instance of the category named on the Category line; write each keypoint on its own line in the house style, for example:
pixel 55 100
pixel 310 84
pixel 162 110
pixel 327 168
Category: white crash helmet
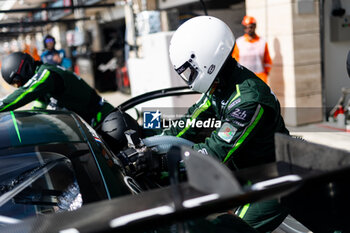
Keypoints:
pixel 199 48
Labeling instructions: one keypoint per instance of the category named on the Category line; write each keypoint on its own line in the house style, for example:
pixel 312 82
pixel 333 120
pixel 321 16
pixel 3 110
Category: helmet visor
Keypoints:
pixel 49 40
pixel 187 72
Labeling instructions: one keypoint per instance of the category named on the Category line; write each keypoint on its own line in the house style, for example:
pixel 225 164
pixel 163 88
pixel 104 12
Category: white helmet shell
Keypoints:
pixel 199 48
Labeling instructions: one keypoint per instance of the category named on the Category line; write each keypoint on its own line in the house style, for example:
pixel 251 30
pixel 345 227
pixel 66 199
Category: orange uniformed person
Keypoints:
pixel 32 51
pixel 252 51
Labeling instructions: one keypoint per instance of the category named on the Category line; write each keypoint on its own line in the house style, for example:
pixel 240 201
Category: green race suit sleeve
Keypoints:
pixel 238 127
pixel 38 86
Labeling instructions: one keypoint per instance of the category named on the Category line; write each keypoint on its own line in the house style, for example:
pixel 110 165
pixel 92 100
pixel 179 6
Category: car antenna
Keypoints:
pixel 204 7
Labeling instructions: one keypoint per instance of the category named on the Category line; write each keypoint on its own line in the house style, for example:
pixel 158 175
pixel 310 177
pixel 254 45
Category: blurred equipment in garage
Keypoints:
pixel 104 69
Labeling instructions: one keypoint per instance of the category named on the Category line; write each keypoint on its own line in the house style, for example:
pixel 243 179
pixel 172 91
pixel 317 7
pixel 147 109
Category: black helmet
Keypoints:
pixel 49 38
pixel 17 67
pixel 113 128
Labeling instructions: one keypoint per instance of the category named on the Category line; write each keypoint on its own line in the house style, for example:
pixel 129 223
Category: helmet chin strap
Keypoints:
pixel 212 88
pixel 220 82
pixel 225 71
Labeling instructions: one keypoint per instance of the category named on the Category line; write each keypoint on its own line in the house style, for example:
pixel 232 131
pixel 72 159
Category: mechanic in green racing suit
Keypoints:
pixel 52 85
pixel 248 110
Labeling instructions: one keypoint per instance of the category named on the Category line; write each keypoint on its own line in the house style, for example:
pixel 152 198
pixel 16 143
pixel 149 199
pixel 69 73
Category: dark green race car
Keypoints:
pixel 52 161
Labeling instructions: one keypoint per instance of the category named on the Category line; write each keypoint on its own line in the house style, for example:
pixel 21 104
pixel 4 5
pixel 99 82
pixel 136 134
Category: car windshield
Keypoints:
pixel 35 184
